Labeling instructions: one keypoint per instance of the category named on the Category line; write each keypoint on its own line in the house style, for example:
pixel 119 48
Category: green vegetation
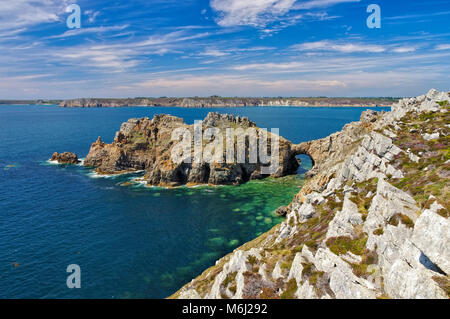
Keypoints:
pixel 344 244
pixel 316 279
pixel 291 288
pixel 252 260
pixel 360 197
pixel 405 220
pixel 229 279
pixel 379 231
pixel 430 176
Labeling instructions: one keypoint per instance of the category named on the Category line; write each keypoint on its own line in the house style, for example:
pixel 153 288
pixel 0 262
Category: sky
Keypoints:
pixel 255 48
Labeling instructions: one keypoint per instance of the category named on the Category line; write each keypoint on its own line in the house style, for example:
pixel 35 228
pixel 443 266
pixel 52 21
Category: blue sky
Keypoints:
pixel 224 47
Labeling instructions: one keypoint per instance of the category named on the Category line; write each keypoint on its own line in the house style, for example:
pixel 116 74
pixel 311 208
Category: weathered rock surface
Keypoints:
pixel 372 222
pixel 431 235
pixel 65 158
pixel 144 144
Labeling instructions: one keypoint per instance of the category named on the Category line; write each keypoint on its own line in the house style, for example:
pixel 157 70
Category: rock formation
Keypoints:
pixel 371 222
pixel 65 158
pixel 144 144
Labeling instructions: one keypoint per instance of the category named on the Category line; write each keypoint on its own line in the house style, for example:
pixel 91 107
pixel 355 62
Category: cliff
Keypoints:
pixel 144 144
pixel 197 102
pixel 370 222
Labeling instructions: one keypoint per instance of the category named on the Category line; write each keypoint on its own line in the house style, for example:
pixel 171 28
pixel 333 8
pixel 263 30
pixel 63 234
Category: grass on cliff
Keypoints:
pixel 363 195
pixel 431 175
pixel 344 244
pixel 291 289
pixel 397 218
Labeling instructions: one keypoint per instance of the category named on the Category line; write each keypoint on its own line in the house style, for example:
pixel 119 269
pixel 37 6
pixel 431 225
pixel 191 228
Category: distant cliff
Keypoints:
pixel 209 102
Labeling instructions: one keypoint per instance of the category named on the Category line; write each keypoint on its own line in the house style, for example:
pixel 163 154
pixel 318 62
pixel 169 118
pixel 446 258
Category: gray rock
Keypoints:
pixel 429 137
pixel 432 236
pixel 344 221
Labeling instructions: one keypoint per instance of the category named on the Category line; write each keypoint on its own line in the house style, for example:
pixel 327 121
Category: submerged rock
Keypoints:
pixel 65 158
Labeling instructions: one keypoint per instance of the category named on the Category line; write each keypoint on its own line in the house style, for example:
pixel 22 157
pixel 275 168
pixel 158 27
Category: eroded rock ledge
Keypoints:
pixel 146 144
pixel 372 222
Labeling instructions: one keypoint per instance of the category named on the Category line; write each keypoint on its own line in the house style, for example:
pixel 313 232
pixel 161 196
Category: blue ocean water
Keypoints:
pixel 130 242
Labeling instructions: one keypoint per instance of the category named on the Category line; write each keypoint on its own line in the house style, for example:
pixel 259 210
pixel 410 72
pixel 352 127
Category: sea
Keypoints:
pixel 129 241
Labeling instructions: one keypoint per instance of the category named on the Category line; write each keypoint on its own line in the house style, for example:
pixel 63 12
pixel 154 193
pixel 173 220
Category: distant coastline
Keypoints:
pixel 213 101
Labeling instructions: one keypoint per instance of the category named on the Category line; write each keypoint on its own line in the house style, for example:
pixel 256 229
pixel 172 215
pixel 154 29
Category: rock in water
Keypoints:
pixel 65 158
pixel 144 144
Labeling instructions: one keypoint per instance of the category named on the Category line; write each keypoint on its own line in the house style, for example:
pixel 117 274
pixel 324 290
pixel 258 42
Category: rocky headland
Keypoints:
pixel 370 222
pixel 146 144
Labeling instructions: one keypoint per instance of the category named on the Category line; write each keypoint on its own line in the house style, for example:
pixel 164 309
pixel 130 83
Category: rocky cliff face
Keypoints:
pixel 144 144
pixel 209 102
pixel 371 222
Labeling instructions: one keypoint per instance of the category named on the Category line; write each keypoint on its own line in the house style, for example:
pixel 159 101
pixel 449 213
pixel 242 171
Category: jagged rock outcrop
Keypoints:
pixel 65 158
pixel 372 222
pixel 144 144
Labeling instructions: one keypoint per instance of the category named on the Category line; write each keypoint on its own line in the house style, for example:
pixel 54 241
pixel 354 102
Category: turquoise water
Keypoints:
pixel 130 242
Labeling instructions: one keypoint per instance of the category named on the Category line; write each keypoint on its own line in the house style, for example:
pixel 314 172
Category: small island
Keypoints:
pixel 147 145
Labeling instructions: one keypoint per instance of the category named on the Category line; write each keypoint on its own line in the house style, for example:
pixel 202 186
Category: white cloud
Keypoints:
pixel 443 47
pixel 214 53
pixel 339 47
pixel 119 56
pixel 404 49
pixel 326 64
pixel 113 59
pixel 321 3
pixel 260 13
pixel 92 15
pixel 204 85
pixel 270 66
pixel 250 12
pixel 76 32
pixel 16 14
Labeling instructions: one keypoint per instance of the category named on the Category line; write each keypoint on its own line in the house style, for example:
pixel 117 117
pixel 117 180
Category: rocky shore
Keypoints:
pixel 146 144
pixel 370 222
pixel 210 102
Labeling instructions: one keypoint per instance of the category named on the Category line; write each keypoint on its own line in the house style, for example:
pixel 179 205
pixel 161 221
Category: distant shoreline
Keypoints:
pixel 211 102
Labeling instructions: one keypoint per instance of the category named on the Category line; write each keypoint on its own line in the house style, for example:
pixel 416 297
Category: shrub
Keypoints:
pixel 342 245
pixel 405 220
pixel 378 231
pixel 291 288
pixel 252 260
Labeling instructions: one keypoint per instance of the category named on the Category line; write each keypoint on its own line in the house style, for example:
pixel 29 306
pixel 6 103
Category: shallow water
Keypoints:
pixel 130 242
